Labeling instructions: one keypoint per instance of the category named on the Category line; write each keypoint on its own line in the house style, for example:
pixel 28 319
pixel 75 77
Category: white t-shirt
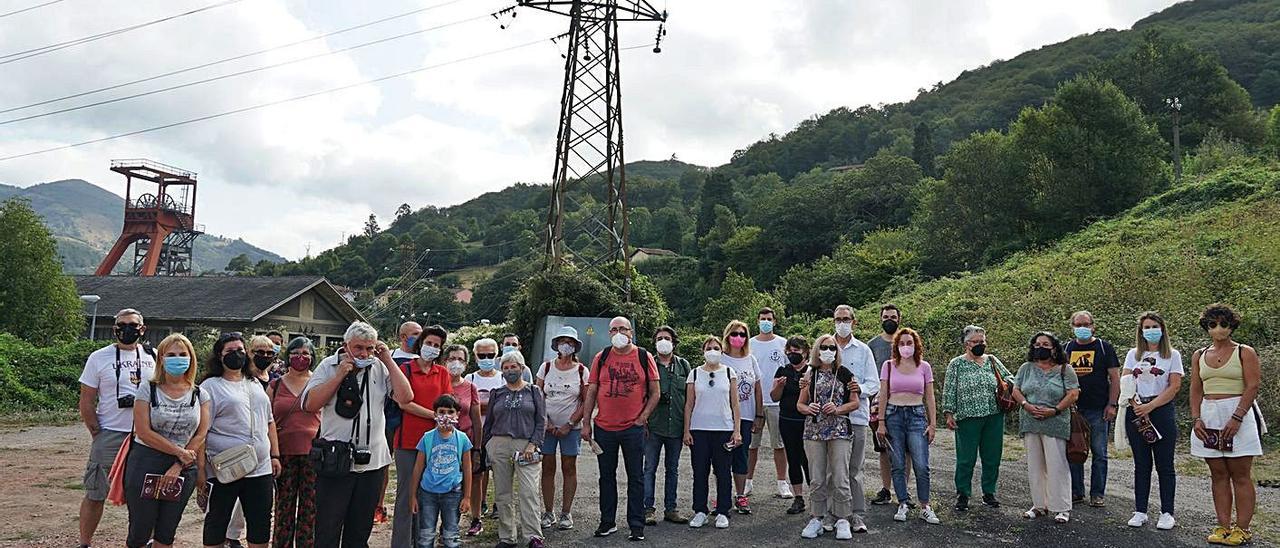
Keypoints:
pixel 748 377
pixel 177 419
pixel 1149 383
pixel 373 423
pixel 563 390
pixel 100 372
pixel 711 408
pixel 485 385
pixel 770 355
pixel 231 424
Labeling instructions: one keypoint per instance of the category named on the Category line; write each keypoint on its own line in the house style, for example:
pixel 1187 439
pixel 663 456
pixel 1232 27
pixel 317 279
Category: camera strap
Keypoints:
pixel 137 367
pixel 368 417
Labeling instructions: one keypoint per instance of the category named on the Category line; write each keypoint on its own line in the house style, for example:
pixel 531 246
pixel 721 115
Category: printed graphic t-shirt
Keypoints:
pixel 442 460
pixel 1092 362
pixel 769 356
pixel 100 372
pixel 621 389
pixel 748 377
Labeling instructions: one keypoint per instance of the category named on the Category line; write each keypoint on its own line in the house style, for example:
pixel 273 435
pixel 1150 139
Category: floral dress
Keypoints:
pixel 827 388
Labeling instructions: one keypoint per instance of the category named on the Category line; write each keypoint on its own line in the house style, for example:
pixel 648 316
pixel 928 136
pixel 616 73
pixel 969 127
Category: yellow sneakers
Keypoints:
pixel 1238 537
pixel 1219 535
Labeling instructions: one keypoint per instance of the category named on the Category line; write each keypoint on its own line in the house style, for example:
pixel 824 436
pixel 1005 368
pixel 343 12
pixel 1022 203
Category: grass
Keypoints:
pixel 28 419
pixel 469 276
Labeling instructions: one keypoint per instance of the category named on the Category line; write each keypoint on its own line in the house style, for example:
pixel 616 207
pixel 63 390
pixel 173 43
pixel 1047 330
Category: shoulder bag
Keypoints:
pixel 1078 442
pixel 1004 390
pixel 237 462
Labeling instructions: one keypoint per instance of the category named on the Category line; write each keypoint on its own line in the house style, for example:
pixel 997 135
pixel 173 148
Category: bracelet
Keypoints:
pixel 275 457
pixel 1237 418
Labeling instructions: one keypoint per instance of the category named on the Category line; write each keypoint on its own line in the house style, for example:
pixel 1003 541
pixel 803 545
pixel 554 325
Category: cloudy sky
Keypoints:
pixel 300 175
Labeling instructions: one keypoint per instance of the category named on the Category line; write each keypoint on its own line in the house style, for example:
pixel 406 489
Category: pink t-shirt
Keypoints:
pixel 903 383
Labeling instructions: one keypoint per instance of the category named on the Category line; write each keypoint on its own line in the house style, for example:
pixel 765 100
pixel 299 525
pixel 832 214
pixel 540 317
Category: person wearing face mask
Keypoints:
pixel 349 388
pixel 511 343
pixel 1045 389
pixel 970 406
pixel 826 400
pixel 908 409
pixel 241 415
pixel 1098 369
pixel 1151 420
pixel 108 387
pixel 429 378
pixel 881 350
pixel 737 357
pixel 666 429
pixel 408 335
pixel 624 385
pixel 280 366
pixel 441 478
pixel 769 350
pixel 469 417
pixel 486 379
pixel 563 381
pixel 514 430
pixel 262 356
pixel 786 391
pixel 1225 377
pixel 295 428
pixel 170 425
pixel 711 419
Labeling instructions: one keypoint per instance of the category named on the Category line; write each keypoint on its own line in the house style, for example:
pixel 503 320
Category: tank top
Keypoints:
pixel 1227 380
pixel 295 428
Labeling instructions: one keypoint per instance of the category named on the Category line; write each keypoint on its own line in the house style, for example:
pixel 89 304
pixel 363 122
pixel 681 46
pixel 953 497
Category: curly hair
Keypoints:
pixel 1059 356
pixel 1220 313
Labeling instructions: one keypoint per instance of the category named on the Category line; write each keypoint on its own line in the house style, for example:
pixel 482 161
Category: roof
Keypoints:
pixel 208 298
pixel 655 251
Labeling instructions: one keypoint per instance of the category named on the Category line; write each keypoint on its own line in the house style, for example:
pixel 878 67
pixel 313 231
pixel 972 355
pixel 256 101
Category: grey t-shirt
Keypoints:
pixel 174 418
pixel 334 427
pixel 240 413
pixel 881 349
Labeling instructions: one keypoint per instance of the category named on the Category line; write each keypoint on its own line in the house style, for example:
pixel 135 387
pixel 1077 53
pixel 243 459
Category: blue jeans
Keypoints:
pixel 906 427
pixel 631 443
pixel 442 507
pixel 1100 434
pixel 654 447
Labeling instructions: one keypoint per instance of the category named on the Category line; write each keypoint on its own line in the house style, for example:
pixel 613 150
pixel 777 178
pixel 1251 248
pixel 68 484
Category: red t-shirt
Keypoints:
pixel 621 388
pixel 467 396
pixel 426 388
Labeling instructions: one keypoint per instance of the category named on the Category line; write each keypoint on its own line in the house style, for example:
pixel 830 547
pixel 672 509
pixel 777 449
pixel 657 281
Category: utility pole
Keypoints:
pixel 589 144
pixel 1175 108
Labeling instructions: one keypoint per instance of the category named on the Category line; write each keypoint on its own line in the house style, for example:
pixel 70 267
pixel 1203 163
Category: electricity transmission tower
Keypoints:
pixel 589 146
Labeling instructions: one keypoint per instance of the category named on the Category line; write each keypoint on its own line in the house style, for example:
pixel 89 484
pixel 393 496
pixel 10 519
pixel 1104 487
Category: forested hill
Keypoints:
pixel 858 203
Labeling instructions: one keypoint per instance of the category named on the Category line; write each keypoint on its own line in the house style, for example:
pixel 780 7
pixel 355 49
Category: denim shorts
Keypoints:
pixel 568 445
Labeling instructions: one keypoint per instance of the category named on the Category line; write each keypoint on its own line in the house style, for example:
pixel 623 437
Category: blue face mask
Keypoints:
pixel 766 326
pixel 176 365
pixel 1083 333
pixel 276 348
pixel 362 363
pixel 409 341
pixel 1153 334
pixel 487 364
pixel 508 349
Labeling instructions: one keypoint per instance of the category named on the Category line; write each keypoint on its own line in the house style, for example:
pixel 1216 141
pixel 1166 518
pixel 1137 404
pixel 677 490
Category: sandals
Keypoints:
pixel 1035 513
pixel 1062 517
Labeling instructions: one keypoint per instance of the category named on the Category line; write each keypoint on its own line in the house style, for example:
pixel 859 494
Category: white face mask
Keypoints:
pixel 619 340
pixel 844 329
pixel 430 352
pixel 566 349
pixel 456 367
pixel 664 347
pixel 712 357
pixel 827 356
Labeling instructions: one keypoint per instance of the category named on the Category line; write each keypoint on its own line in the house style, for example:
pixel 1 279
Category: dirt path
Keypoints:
pixel 43 466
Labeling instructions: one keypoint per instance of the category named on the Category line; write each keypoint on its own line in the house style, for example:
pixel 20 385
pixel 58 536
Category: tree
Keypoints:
pixel 38 303
pixel 738 300
pixel 371 227
pixel 855 274
pixel 239 264
pixel 403 211
pixel 717 190
pixel 1273 131
pixel 922 149
pixel 567 291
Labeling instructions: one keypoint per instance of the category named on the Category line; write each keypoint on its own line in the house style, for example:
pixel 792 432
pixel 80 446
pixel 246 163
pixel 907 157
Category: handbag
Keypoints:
pixel 1078 442
pixel 115 494
pixel 1004 392
pixel 237 462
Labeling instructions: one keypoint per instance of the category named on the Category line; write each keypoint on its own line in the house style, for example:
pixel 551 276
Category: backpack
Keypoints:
pixel 582 380
pixel 195 395
pixel 391 411
pixel 644 364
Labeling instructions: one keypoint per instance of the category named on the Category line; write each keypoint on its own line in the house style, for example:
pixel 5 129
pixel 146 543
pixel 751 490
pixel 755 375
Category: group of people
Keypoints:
pixel 296 451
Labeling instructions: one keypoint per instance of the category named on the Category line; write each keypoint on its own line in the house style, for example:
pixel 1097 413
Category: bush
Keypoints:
pixel 567 291
pixel 41 379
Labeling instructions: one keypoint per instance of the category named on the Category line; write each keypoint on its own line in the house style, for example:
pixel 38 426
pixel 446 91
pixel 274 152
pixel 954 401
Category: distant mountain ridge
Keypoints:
pixel 85 219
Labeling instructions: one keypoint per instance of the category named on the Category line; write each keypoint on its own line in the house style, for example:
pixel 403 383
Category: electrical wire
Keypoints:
pixel 233 58
pixel 27 54
pixel 271 103
pixel 29 8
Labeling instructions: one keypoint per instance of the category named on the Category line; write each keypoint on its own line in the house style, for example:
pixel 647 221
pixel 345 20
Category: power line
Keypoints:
pixel 233 58
pixel 241 73
pixel 26 9
pixel 270 103
pixel 27 54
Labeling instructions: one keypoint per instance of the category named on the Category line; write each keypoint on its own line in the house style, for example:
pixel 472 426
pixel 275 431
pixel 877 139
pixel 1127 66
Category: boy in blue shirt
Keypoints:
pixel 443 492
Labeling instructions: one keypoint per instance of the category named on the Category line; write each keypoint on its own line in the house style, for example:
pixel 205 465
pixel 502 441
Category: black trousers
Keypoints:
pixel 256 496
pixel 792 432
pixel 344 508
pixel 150 518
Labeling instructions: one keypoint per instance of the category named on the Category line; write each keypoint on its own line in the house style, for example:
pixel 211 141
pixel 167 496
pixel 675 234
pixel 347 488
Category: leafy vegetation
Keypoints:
pixel 37 301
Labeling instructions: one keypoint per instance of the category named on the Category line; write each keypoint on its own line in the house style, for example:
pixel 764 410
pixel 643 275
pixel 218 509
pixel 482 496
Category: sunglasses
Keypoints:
pixel 828 347
pixel 486 355
pixel 124 325
pixel 267 353
pixel 738 334
pixel 712 381
pixel 1211 324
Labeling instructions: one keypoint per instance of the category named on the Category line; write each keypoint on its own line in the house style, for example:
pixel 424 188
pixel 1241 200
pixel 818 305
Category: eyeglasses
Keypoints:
pixel 267 353
pixel 486 355
pixel 828 347
pixel 619 329
pixel 844 320
pixel 124 325
pixel 738 334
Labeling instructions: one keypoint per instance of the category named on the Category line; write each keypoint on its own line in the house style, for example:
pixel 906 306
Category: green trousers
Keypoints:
pixel 979 436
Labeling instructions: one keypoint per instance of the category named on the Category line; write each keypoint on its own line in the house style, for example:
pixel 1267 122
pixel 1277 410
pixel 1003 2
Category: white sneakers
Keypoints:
pixel 1165 523
pixel 928 516
pixel 548 520
pixel 858 525
pixel 814 528
pixel 902 513
pixel 842 530
pixel 784 490
pixel 722 521
pixel 699 519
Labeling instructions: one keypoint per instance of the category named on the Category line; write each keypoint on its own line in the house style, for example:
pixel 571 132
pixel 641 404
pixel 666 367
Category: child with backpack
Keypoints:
pixel 443 491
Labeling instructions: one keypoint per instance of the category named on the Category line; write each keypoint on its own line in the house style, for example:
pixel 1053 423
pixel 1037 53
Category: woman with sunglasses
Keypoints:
pixel 1151 421
pixel 826 402
pixel 515 428
pixel 1225 377
pixel 486 378
pixel 262 355
pixel 738 357
pixel 711 418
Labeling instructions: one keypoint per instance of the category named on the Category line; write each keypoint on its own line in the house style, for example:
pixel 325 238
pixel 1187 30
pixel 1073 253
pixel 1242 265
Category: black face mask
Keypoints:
pixel 262 362
pixel 1041 353
pixel 889 326
pixel 795 358
pixel 128 334
pixel 979 349
pixel 234 361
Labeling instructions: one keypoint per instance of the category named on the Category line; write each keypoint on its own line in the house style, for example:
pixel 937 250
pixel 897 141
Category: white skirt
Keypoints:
pixel 1215 414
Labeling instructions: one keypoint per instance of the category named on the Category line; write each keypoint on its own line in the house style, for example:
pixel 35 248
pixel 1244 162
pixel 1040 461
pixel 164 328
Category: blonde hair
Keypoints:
pixel 746 346
pixel 1166 347
pixel 260 340
pixel 160 376
pixel 815 361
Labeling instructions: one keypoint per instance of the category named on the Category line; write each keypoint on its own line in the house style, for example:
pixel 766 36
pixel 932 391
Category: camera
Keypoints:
pixel 124 402
pixel 362 456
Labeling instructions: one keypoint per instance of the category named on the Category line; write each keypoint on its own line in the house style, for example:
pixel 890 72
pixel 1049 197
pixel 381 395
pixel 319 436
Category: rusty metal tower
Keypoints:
pixel 589 145
pixel 161 225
